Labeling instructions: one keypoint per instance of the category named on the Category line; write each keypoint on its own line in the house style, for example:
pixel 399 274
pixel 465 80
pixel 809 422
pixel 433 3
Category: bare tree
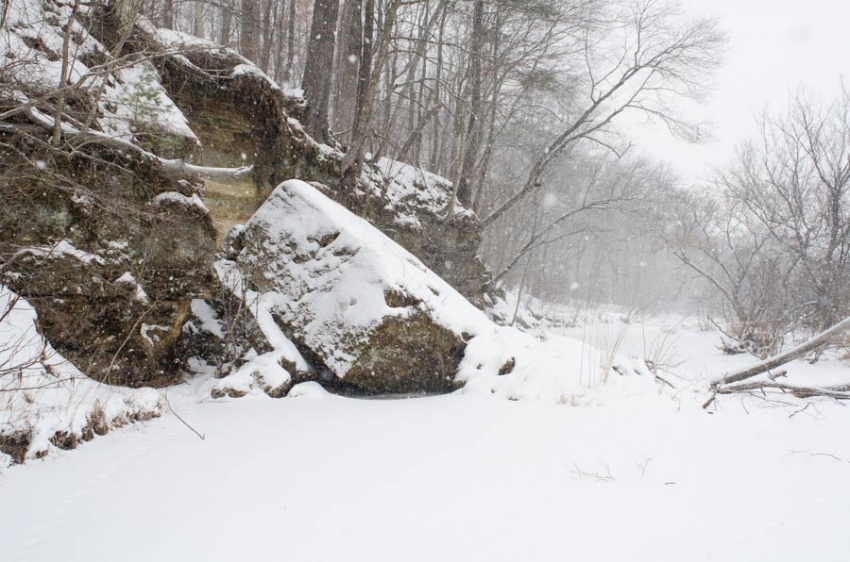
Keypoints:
pixel 473 128
pixel 599 187
pixel 717 239
pixel 656 58
pixel 369 82
pixel 796 183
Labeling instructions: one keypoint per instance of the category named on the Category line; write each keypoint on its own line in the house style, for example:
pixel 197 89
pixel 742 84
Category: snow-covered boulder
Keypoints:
pixel 330 289
pixel 370 311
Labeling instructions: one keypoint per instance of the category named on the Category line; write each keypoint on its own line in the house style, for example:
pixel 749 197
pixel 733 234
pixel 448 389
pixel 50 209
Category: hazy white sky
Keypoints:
pixel 775 47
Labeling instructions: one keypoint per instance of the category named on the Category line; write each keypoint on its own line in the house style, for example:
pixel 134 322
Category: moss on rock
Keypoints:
pixel 407 355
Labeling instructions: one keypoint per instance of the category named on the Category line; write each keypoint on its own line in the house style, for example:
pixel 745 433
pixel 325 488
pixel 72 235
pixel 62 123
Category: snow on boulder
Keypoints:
pixel 370 311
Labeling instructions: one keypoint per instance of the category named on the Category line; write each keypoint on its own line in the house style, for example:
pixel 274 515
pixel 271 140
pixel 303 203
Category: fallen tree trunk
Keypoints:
pixel 170 167
pixel 840 391
pixel 731 382
pixel 816 342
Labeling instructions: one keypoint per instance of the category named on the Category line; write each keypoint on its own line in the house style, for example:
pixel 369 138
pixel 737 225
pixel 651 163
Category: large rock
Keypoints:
pixel 367 309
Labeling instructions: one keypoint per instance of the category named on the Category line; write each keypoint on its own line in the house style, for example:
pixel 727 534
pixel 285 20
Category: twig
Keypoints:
pixel 830 455
pixel 184 422
pixel 801 410
pixel 40 387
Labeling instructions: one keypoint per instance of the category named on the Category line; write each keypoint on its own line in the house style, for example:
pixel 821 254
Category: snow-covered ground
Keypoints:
pixel 460 477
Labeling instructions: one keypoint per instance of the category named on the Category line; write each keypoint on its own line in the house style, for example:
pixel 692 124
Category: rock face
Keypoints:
pixel 47 403
pixel 371 312
pixel 108 249
pixel 111 272
pixel 113 250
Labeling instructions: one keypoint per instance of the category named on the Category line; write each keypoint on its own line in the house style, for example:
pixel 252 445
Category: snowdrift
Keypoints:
pixel 518 366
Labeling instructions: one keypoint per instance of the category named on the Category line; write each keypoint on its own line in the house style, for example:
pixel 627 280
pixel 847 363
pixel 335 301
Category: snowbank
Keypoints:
pixel 515 365
pixel 45 402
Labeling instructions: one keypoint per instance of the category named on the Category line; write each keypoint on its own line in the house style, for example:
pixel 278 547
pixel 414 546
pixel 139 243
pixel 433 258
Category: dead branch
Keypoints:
pixel 840 392
pixel 174 168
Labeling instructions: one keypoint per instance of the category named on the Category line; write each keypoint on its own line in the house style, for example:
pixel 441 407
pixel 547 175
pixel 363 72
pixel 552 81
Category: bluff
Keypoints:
pixel 107 234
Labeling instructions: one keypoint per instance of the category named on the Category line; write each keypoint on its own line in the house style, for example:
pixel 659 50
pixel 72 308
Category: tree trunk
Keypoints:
pixel 168 14
pixel 269 27
pixel 198 21
pixel 355 153
pixel 290 43
pixel 433 157
pixel 66 62
pixel 348 61
pixel 249 40
pixel 282 38
pixel 493 108
pixel 318 69
pixel 226 21
pixel 473 131
pixel 364 79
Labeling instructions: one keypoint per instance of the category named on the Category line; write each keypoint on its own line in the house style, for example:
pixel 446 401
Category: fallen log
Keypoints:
pixel 840 391
pixel 730 383
pixel 816 342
